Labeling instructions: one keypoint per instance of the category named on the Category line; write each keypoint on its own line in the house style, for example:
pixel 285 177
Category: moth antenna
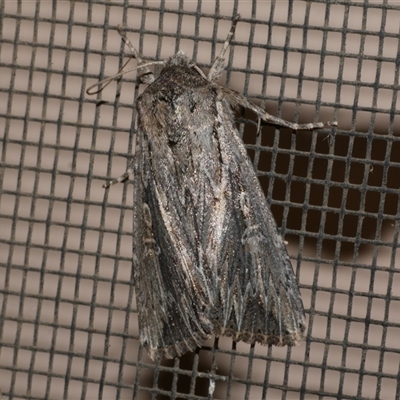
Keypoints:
pixel 108 80
pixel 129 44
pixel 104 82
pixel 145 74
pixel 219 65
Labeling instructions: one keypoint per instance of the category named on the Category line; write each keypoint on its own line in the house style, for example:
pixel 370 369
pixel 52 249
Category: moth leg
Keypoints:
pixel 281 122
pixel 146 76
pixel 258 125
pixel 219 65
pixel 124 177
pixel 236 99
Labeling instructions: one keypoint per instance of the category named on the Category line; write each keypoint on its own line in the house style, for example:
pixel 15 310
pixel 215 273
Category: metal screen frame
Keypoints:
pixel 68 326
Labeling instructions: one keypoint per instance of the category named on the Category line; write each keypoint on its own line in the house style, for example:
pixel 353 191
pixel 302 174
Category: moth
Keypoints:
pixel 207 255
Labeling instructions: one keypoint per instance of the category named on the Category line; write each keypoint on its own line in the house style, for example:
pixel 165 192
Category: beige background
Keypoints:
pixel 65 244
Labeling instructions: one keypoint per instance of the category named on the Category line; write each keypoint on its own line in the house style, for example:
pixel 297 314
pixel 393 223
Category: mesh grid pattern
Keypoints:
pixel 68 326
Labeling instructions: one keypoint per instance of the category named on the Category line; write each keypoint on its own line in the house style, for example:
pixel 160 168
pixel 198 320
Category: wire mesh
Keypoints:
pixel 68 326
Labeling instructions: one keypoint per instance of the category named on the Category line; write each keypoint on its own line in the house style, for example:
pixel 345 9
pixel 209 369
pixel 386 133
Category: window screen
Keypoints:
pixel 68 326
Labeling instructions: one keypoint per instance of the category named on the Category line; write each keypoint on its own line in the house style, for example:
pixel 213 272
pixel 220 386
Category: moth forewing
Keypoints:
pixel 207 255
